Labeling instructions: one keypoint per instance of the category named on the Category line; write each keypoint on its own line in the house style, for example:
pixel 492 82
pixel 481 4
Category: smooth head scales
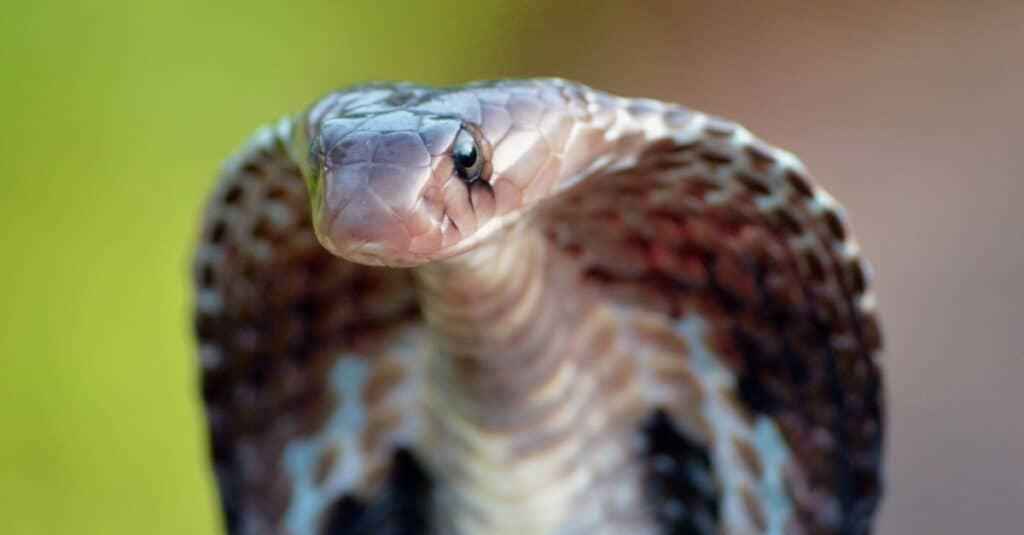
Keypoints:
pixel 412 174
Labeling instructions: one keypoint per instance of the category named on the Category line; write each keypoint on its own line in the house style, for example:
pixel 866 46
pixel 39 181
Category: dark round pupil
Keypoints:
pixel 464 154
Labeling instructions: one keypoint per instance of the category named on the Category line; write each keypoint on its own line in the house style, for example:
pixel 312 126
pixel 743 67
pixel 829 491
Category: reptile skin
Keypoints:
pixel 610 316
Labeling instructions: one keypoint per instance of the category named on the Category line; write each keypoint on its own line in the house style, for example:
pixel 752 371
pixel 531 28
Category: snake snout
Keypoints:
pixel 371 185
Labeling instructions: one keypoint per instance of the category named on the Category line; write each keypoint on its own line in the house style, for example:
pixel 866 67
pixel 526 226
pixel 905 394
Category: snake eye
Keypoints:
pixel 466 157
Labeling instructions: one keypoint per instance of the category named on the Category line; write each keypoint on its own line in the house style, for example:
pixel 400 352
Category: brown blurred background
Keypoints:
pixel 115 115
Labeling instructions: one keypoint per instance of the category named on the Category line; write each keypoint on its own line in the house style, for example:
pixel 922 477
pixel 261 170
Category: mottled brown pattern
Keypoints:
pixel 273 312
pixel 619 265
pixel 786 319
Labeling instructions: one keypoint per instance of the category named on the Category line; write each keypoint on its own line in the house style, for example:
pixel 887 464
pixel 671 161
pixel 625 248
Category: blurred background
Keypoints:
pixel 114 116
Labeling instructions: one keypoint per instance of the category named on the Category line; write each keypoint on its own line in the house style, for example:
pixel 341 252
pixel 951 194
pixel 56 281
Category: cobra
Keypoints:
pixel 528 306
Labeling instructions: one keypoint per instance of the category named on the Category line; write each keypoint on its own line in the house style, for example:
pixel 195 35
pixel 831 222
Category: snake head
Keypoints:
pixel 410 175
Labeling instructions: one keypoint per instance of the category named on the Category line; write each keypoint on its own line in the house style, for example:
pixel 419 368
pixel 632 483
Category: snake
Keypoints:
pixel 530 306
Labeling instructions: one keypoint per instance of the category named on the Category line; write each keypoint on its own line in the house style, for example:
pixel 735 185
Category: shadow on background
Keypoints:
pixel 115 118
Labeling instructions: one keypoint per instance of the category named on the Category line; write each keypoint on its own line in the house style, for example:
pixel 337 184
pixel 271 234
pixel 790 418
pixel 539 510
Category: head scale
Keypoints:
pixel 403 175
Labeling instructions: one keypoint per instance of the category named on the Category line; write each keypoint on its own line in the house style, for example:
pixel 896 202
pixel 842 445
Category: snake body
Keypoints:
pixel 529 306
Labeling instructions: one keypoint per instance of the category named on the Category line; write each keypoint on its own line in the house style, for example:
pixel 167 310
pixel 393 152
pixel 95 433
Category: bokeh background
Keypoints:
pixel 114 116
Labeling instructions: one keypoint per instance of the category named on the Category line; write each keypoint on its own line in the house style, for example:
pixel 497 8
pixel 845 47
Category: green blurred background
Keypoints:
pixel 114 117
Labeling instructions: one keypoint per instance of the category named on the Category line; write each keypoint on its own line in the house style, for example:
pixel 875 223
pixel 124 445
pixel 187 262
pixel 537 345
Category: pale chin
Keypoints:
pixel 371 253
pixel 379 255
pixel 366 253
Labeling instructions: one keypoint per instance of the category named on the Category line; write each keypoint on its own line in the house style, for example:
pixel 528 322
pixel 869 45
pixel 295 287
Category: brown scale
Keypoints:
pixel 751 460
pixel 839 318
pixel 741 259
pixel 754 509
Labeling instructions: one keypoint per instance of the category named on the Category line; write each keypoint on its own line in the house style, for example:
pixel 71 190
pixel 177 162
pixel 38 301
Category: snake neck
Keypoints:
pixel 494 313
pixel 530 421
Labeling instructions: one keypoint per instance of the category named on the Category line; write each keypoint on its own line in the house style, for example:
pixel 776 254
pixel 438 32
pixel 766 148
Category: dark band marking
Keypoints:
pixel 679 480
pixel 401 508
